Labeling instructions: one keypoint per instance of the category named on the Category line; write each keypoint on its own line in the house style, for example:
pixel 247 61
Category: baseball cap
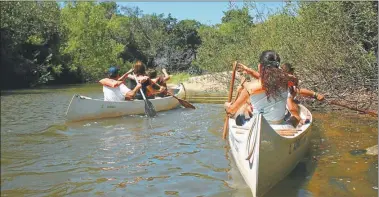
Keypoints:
pixel 113 71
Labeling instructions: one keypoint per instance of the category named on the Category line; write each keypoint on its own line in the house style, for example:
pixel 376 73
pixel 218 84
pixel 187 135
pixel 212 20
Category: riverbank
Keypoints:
pixel 214 88
pixel 217 83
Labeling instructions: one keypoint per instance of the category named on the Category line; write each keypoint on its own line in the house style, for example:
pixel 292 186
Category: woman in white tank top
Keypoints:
pixel 268 94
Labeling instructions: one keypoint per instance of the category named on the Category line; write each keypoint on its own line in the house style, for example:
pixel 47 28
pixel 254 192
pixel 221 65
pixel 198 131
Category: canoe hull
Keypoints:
pixel 85 108
pixel 273 156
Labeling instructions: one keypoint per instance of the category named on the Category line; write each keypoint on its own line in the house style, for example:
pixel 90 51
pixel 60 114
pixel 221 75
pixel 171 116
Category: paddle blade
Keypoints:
pixel 149 109
pixel 186 104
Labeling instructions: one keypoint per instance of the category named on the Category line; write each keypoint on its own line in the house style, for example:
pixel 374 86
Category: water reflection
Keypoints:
pixel 178 153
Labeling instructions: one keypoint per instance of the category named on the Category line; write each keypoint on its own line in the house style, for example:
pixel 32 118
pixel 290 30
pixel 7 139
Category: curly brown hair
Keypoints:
pixel 288 68
pixel 139 68
pixel 274 80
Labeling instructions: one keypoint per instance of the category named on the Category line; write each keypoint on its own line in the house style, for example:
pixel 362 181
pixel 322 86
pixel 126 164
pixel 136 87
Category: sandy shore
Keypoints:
pixel 210 83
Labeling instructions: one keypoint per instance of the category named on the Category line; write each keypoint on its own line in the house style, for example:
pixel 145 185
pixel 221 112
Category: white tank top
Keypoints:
pixel 115 94
pixel 273 110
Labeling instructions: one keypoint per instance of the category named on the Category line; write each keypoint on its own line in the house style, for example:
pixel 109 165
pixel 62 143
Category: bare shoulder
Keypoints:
pixel 155 80
pixel 254 86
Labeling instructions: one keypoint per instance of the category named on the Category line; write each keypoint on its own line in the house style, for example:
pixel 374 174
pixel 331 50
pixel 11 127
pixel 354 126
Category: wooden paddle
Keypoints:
pixel 226 123
pixel 149 107
pixel 372 113
pixel 185 103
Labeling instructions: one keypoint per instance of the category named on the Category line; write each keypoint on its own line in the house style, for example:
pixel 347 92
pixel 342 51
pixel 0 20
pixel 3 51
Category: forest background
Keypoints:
pixel 333 46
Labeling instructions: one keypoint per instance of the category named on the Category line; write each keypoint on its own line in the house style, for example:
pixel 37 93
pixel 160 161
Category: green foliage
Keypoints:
pixel 179 78
pixel 237 15
pixel 224 43
pixel 28 31
pixel 331 44
pixel 89 38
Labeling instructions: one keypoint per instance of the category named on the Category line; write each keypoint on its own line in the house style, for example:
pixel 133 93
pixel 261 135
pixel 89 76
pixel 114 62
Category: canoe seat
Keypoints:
pixel 282 127
pixel 288 132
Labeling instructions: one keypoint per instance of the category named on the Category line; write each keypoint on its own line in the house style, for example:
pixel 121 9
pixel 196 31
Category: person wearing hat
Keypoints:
pixel 114 88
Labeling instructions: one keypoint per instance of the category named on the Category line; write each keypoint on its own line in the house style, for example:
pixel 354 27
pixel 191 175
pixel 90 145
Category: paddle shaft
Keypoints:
pixel 372 113
pixel 144 98
pixel 226 123
pixel 181 101
pixel 238 93
pixel 143 95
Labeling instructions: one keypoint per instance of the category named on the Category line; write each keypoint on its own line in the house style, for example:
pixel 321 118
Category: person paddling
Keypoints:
pixel 286 67
pixel 114 88
pixel 158 81
pixel 292 103
pixel 268 94
pixel 147 89
pixel 294 91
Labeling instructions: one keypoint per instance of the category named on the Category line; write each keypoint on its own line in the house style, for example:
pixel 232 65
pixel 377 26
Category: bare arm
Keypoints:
pixel 126 75
pixel 166 76
pixel 310 93
pixel 249 71
pixel 161 88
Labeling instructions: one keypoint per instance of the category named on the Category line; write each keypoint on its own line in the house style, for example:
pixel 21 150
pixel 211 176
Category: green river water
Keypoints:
pixel 178 153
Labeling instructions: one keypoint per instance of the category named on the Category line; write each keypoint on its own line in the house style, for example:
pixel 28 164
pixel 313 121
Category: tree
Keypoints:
pixel 237 15
pixel 89 38
pixel 29 49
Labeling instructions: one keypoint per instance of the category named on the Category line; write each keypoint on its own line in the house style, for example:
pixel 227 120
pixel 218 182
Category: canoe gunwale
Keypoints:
pixel 98 108
pixel 277 150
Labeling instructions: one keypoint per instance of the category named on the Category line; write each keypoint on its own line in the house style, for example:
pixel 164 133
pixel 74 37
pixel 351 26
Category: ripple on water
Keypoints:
pixel 178 153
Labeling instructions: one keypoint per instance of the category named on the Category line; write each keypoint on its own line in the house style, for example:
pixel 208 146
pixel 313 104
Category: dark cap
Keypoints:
pixel 113 71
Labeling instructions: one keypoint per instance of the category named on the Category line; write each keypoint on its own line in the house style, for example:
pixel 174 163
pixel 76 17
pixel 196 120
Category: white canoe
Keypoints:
pixel 275 150
pixel 86 108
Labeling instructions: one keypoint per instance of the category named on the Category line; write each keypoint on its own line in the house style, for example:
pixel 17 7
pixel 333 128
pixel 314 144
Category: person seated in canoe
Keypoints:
pixel 246 70
pixel 292 103
pixel 245 112
pixel 114 88
pixel 287 67
pixel 158 80
pixel 268 94
pixel 292 106
pixel 147 88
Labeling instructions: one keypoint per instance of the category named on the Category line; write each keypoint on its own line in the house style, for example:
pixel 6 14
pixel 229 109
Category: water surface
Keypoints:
pixel 178 153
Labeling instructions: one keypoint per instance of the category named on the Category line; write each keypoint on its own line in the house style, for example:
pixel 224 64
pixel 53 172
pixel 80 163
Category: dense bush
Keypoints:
pixel 333 45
